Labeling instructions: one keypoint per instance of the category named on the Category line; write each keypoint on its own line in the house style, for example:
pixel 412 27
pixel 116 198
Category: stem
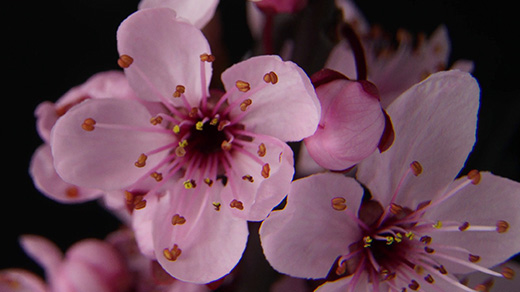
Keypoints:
pixel 357 48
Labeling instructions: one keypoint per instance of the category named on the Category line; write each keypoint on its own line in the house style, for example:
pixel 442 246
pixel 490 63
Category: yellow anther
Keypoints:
pixel 88 124
pixel 183 143
pixel 236 204
pixel 125 61
pixel 502 226
pixel 214 121
pixel 207 57
pixel 410 235
pixel 437 225
pixel 367 241
pixel 156 120
pixel 189 184
pixel 271 77
pixel 398 237
pixel 416 168
pixel 216 205
pixel 339 203
pixel 199 125
pixel 178 220
pixel 265 170
pixel 243 86
pixel 141 161
pixel 245 104
pixel 261 150
pixel 389 240
pixel 208 181
pixel 176 129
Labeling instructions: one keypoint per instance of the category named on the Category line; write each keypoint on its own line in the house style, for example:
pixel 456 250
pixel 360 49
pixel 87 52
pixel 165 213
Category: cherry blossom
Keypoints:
pixel 198 13
pixel 415 227
pixel 194 164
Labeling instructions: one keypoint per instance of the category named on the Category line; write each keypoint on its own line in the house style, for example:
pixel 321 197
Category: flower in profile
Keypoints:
pixel 194 165
pixel 417 227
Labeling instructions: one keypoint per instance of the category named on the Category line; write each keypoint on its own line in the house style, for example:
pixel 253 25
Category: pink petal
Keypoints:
pixel 42 251
pixel 260 194
pixel 199 13
pixel 79 277
pixel 166 53
pixel 104 158
pixel 494 198
pixel 49 183
pixel 289 237
pixel 211 241
pixel 351 124
pixel 291 102
pixel 434 124
pixel 18 280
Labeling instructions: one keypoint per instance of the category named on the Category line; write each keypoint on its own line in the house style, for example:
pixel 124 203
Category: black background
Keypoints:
pixel 50 46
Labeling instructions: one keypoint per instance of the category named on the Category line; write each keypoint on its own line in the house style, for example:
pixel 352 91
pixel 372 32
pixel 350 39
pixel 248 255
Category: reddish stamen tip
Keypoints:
pixel 339 203
pixel 416 168
pixel 125 61
pixel 88 125
pixel 474 176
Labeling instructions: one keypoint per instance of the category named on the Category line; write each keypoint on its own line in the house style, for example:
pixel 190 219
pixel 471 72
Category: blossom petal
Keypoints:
pixel 166 53
pixel 199 13
pixel 291 101
pixel 434 123
pixel 49 183
pixel 104 158
pixel 494 198
pixel 18 280
pixel 209 237
pixel 42 251
pixel 289 236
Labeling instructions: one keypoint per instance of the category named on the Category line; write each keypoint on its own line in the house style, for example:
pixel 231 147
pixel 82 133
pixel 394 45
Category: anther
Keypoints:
pixel 261 150
pixel 178 220
pixel 396 209
pixel 156 120
pixel 125 61
pixel 342 268
pixel 183 143
pixel 245 104
pixel 189 184
pixel 222 125
pixel 429 250
pixel 208 181
pixel 437 225
pixel 243 86
pixel 271 77
pixel 464 226
pixel 236 204
pixel 409 235
pixel 207 57
pixel 141 161
pixel 214 121
pixel 425 239
pixel 199 125
pixel 216 206
pixel 502 226
pixel 157 176
pixel 248 178
pixel 193 112
pixel 176 129
pixel 265 170
pixel 416 168
pixel 508 273
pixel 389 240
pixel 180 151
pixel 473 258
pixel 72 192
pixel 226 146
pixel 367 241
pixel 172 254
pixel 474 176
pixel 88 124
pixel 179 90
pixel 441 269
pixel 338 203
pixel 414 285
pixel 429 279
pixel 140 205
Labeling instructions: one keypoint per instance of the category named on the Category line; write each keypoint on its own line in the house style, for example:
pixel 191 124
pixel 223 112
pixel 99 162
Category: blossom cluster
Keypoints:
pixel 352 171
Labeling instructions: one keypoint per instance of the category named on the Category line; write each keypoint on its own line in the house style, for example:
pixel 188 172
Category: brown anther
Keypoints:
pixel 441 269
pixel 140 205
pixel 236 204
pixel 473 258
pixel 464 226
pixel 414 285
pixel 425 239
pixel 418 269
pixel 125 61
pixel 216 206
pixel 429 249
pixel 141 161
pixel 88 124
pixel 226 146
pixel 156 120
pixel 261 150
pixel 207 57
pixel 172 254
pixel 416 168
pixel 72 192
pixel 474 176
pixel 180 151
pixel 157 176
pixel 271 77
pixel 243 86
pixel 342 268
pixel 508 273
pixel 179 90
pixel 194 112
pixel 429 279
pixel 223 124
pixel 502 226
pixel 245 104
pixel 248 178
pixel 208 181
pixel 396 209
pixel 178 220
pixel 339 203
pixel 265 170
pixel 129 197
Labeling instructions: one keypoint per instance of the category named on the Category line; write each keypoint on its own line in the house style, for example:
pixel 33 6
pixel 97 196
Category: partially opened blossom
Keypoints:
pixel 196 168
pixel 18 280
pixel 419 225
pixel 352 121
pixel 109 84
pixel 197 12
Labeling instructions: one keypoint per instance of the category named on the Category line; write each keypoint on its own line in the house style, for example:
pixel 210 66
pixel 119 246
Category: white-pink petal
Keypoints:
pixel 197 12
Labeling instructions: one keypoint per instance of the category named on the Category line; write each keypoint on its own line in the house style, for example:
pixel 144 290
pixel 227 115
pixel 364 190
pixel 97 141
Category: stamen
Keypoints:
pixel 429 250
pixel 156 120
pixel 208 181
pixel 141 161
pixel 189 184
pixel 176 129
pixel 172 254
pixel 338 203
pixel 271 77
pixel 178 220
pixel 429 279
pixel 88 125
pixel 207 57
pixel 474 176
pixel 141 204
pixel 367 241
pixel 180 151
pixel 473 258
pixel 416 168
pixel 414 285
pixel 72 192
pixel 425 239
pixel 468 264
pixel 265 170
pixel 236 204
pixel 464 226
pixel 245 104
pixel 157 176
pixel 216 205
pixel 261 150
pixel 437 225
pixel 199 125
pixel 502 226
pixel 396 209
pixel 508 273
pixel 242 86
pixel 248 178
pixel 125 61
pixel 179 90
pixel 226 146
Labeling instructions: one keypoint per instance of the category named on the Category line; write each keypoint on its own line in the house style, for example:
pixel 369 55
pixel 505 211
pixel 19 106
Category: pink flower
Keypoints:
pixel 417 227
pixel 198 165
pixel 197 12
pixel 89 265
pixel 110 84
pixel 352 122
pixel 18 280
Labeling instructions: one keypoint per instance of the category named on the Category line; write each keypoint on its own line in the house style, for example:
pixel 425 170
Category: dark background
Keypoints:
pixel 50 46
